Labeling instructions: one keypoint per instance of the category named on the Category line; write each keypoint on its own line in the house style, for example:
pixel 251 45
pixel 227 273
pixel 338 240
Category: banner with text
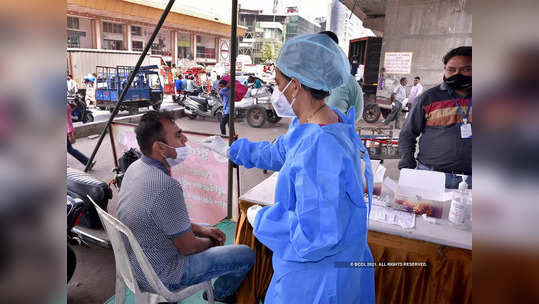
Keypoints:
pixel 398 62
pixel 203 175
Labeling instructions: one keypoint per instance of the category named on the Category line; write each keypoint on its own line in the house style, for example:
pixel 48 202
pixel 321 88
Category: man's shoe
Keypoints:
pixel 230 300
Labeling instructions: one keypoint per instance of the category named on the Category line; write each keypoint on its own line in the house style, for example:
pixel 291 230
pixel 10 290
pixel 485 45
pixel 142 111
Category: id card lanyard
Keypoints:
pixel 465 128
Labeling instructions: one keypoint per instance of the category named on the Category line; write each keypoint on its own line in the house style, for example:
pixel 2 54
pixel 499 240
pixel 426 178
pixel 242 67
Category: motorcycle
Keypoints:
pixel 81 212
pixel 74 212
pixel 203 105
pixel 79 109
pixel 180 97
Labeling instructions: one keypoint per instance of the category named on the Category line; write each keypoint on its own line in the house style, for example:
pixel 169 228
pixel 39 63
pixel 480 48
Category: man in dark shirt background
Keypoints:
pixel 442 116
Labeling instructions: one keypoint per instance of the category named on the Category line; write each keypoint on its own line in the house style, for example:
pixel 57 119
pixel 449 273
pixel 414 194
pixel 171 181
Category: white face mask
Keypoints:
pixel 181 154
pixel 281 105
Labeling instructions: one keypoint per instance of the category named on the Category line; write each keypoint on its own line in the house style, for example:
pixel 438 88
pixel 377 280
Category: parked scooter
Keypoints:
pixel 74 212
pixel 79 109
pixel 80 185
pixel 180 97
pixel 203 105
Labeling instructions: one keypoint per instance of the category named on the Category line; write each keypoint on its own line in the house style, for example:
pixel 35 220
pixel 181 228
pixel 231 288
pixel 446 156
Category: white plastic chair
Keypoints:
pixel 124 271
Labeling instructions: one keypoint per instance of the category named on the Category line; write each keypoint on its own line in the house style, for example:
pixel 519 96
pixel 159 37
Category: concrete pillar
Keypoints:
pixel 217 49
pixel 128 37
pixel 194 37
pixel 174 47
pixel 429 31
pixel 97 34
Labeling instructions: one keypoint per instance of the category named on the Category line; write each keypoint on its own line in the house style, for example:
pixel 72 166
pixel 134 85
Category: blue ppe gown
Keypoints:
pixel 319 217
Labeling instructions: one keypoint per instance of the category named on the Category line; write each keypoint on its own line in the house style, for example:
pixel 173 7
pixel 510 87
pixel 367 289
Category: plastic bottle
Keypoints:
pixel 460 205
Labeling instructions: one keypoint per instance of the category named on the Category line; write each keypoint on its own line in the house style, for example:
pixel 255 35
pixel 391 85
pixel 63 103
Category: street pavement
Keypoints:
pixel 94 278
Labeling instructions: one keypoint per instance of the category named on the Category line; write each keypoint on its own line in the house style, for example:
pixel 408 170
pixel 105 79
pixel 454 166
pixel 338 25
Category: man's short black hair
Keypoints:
pixel 331 35
pixel 417 77
pixel 150 129
pixel 218 77
pixel 223 82
pixel 403 79
pixel 460 51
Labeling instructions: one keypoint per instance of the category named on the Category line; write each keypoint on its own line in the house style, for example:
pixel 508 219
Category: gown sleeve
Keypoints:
pixel 312 223
pixel 262 155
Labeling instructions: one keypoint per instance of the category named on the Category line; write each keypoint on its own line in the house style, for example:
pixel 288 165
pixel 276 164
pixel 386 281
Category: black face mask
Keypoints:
pixel 459 82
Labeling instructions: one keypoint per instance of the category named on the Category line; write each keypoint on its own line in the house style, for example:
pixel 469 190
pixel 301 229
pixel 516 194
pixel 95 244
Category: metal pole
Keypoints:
pixel 231 132
pixel 352 11
pixel 129 81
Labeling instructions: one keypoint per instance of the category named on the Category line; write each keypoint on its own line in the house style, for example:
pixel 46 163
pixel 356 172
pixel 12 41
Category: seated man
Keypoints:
pixel 152 205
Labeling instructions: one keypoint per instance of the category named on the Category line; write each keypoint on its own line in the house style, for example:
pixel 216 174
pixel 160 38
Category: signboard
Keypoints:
pixel 398 62
pixel 203 175
pixel 224 50
pixel 239 66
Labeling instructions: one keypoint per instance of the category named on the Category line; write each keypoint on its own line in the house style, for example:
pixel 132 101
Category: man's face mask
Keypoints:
pixel 459 82
pixel 181 154
pixel 281 105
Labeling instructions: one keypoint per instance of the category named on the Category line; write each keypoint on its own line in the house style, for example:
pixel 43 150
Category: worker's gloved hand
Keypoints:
pixel 251 213
pixel 217 145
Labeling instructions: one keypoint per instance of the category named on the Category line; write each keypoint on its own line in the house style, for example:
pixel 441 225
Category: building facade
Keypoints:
pixel 270 31
pixel 125 26
pixel 346 27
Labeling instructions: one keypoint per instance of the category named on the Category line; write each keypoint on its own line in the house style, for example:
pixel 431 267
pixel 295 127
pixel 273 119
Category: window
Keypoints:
pixel 79 33
pixel 73 38
pixel 184 46
pixel 114 28
pixel 137 45
pixel 205 47
pixel 72 23
pixel 136 30
pixel 268 34
pixel 161 44
pixel 109 44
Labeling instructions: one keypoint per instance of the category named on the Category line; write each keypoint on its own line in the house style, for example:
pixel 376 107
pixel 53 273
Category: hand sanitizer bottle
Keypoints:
pixel 460 204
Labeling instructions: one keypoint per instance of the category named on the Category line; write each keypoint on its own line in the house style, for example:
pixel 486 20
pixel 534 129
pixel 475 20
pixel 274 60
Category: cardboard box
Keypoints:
pixel 421 192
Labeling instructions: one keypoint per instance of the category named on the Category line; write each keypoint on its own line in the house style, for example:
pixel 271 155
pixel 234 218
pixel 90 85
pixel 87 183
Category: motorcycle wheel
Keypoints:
pixel 71 263
pixel 272 116
pixel 256 116
pixel 192 116
pixel 88 117
pixel 371 113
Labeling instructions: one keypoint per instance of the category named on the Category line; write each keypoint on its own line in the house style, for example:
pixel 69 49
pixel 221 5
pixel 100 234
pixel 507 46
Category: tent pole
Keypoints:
pixel 231 132
pixel 129 81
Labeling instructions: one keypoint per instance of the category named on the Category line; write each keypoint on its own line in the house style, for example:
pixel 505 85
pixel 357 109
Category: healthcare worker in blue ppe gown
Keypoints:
pixel 319 221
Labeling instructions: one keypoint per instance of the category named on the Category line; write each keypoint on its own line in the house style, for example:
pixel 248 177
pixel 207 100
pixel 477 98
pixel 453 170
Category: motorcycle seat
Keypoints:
pixel 200 100
pixel 84 183
pixel 79 184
